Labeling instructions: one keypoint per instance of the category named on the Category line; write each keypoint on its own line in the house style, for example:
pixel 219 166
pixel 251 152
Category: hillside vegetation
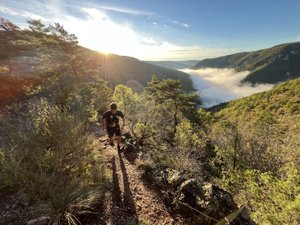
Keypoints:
pixel 257 140
pixel 271 65
pixel 135 73
pixel 282 102
pixel 52 164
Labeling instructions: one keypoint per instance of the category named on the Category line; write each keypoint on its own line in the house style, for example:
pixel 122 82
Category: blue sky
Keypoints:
pixel 166 29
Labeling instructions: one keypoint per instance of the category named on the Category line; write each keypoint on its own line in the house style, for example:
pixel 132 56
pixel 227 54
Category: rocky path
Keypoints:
pixel 131 201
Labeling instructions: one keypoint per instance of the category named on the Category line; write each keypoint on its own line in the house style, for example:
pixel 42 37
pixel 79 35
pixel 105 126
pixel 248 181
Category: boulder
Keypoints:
pixel 167 177
pixel 129 144
pixel 204 202
pixel 190 193
pixel 217 201
pixel 174 177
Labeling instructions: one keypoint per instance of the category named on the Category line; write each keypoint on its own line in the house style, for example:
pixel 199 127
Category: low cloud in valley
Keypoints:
pixel 221 85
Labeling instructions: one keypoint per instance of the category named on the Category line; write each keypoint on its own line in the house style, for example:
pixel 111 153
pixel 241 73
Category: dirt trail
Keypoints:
pixel 131 201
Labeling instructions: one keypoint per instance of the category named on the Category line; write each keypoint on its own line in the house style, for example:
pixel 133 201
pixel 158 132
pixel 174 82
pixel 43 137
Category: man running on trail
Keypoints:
pixel 110 123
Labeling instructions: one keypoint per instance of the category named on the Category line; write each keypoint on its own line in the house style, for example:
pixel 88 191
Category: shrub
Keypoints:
pixel 46 154
pixel 272 199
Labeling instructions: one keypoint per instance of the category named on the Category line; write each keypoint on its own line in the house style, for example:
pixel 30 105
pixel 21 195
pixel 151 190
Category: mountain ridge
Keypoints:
pixel 181 64
pixel 271 65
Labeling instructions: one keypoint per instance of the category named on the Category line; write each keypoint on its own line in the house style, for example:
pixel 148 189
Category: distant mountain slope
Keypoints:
pixel 122 69
pixel 113 68
pixel 174 64
pixel 271 65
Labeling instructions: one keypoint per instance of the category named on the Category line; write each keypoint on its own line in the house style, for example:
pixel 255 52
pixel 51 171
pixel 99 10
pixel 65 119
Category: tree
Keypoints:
pixel 168 93
pixel 89 97
pixel 127 100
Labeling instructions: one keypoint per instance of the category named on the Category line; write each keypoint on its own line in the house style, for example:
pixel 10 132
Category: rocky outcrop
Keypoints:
pixel 202 202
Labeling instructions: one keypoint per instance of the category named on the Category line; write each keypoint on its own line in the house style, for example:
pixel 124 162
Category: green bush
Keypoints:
pixel 46 154
pixel 273 199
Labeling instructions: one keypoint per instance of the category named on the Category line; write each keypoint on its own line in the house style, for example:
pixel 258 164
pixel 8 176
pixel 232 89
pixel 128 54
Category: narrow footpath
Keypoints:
pixel 131 201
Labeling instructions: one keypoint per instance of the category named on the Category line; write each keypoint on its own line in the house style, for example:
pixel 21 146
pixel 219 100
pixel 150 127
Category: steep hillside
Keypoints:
pixel 131 71
pixel 258 152
pixel 220 62
pixel 282 102
pixel 271 65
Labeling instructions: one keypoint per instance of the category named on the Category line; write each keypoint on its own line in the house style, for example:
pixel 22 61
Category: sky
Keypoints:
pixel 166 29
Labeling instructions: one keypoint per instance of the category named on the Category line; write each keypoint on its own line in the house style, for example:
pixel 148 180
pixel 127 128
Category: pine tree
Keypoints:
pixel 169 94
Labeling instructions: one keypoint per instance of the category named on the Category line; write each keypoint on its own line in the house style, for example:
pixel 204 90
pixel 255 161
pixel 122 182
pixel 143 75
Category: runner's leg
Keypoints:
pixel 111 141
pixel 110 133
pixel 118 133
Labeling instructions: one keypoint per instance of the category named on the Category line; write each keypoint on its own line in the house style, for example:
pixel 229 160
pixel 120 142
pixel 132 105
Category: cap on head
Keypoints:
pixel 113 106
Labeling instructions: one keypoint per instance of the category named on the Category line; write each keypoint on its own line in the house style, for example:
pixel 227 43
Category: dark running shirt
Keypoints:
pixel 112 119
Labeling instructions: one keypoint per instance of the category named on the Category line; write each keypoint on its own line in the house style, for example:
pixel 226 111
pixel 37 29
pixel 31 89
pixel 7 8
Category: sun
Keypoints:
pixel 99 32
pixel 117 39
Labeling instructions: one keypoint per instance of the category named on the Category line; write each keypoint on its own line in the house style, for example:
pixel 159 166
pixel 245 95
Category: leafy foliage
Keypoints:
pixel 273 199
pixel 128 101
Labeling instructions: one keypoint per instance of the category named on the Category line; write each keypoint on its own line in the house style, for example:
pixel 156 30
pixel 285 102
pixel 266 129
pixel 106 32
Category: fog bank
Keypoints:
pixel 221 85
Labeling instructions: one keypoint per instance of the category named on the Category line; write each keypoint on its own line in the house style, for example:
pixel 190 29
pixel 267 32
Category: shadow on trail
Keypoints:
pixel 116 197
pixel 116 208
pixel 123 209
pixel 128 199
